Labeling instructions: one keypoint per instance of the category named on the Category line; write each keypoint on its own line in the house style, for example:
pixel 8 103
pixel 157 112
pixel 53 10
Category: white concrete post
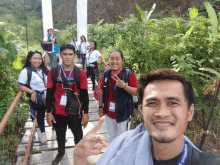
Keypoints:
pixel 81 18
pixel 47 15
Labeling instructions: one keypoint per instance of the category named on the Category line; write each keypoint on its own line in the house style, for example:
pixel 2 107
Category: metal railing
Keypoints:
pixel 7 117
pixel 9 112
pixel 25 160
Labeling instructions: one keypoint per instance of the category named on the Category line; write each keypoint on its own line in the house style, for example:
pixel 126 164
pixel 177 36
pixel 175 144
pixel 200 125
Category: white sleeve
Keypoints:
pixel 87 55
pixel 45 38
pixel 22 79
pixel 98 54
pixel 77 44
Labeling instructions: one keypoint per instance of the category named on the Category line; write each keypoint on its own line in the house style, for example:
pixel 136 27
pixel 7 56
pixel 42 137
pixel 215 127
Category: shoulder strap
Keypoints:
pixel 54 75
pixel 76 76
pixel 29 74
pixel 125 74
pixel 106 75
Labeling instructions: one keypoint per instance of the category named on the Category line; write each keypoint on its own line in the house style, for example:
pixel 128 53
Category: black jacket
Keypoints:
pixel 200 158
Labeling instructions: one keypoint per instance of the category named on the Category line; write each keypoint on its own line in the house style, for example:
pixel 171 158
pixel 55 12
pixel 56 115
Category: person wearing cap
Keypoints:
pixel 55 32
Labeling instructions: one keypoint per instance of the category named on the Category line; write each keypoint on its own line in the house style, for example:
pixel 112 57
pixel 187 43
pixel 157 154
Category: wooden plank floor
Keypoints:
pixel 43 154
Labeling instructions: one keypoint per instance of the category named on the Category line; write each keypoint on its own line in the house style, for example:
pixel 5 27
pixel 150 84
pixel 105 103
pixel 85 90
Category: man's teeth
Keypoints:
pixel 162 124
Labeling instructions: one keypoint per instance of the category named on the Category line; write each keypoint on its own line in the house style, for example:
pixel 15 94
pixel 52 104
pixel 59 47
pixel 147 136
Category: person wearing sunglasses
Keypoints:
pixel 32 80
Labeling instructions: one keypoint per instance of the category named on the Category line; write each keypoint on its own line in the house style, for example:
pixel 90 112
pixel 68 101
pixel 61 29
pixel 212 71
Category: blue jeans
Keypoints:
pixel 53 60
pixel 83 57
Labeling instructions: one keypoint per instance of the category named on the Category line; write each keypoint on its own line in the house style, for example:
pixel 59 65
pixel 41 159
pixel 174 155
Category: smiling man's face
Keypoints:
pixel 165 110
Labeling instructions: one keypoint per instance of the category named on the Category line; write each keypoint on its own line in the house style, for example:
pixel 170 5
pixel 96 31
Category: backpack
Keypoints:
pixel 43 46
pixel 76 76
pixel 124 77
pixel 29 74
pixel 73 101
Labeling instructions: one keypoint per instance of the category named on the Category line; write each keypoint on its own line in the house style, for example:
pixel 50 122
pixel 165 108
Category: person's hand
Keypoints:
pixel 101 112
pixel 34 96
pixel 119 82
pixel 85 69
pixel 52 42
pixel 91 144
pixel 85 119
pixel 36 114
pixel 50 119
pixel 102 58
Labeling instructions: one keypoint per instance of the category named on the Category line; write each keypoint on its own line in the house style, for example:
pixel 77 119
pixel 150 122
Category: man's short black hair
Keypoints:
pixel 49 30
pixel 67 46
pixel 166 74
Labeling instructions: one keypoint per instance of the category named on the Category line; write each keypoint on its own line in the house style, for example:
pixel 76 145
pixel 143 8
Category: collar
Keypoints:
pixel 119 72
pixel 33 69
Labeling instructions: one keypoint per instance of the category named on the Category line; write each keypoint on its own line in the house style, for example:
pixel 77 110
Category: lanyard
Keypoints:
pixel 64 73
pixel 89 55
pixel 113 88
pixel 41 77
pixel 184 154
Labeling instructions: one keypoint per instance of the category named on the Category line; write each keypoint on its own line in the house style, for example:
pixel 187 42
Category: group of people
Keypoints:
pixel 88 54
pixel 166 103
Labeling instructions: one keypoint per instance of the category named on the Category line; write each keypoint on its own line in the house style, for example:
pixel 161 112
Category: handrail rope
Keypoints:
pixel 9 112
pixel 29 143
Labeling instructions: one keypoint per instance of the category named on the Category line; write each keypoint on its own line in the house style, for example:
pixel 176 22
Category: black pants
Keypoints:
pixel 93 72
pixel 74 123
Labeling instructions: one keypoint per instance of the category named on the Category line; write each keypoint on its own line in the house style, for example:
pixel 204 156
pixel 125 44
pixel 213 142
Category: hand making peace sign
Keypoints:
pixel 119 82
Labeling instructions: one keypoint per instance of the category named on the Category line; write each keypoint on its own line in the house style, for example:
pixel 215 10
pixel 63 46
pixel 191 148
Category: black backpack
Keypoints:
pixel 29 74
pixel 76 76
pixel 125 76
pixel 43 46
pixel 73 101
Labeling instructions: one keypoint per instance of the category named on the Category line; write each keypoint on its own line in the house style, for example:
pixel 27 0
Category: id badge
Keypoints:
pixel 63 100
pixel 112 107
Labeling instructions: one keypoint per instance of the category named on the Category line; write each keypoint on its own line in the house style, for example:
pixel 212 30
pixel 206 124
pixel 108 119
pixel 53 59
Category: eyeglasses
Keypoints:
pixel 34 51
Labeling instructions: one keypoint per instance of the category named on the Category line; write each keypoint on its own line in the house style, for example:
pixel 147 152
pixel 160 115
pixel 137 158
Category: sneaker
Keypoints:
pixel 43 137
pixel 58 159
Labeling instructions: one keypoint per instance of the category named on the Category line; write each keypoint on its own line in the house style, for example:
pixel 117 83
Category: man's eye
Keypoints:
pixel 151 103
pixel 173 103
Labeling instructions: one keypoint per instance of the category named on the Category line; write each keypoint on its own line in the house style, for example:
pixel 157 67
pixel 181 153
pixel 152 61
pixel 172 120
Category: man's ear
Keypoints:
pixel 190 112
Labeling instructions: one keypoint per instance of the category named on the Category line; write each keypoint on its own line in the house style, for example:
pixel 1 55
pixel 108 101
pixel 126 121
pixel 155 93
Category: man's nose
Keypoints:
pixel 163 111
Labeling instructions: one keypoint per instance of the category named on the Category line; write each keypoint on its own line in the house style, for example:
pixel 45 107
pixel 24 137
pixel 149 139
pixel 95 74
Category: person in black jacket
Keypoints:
pixel 67 84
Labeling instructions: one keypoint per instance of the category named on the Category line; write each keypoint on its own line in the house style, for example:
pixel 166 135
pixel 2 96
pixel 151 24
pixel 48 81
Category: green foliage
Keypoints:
pixel 193 13
pixel 141 12
pixel 212 15
pixel 8 49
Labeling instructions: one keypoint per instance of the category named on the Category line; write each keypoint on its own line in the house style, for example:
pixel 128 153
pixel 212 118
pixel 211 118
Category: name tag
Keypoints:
pixel 63 100
pixel 112 107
